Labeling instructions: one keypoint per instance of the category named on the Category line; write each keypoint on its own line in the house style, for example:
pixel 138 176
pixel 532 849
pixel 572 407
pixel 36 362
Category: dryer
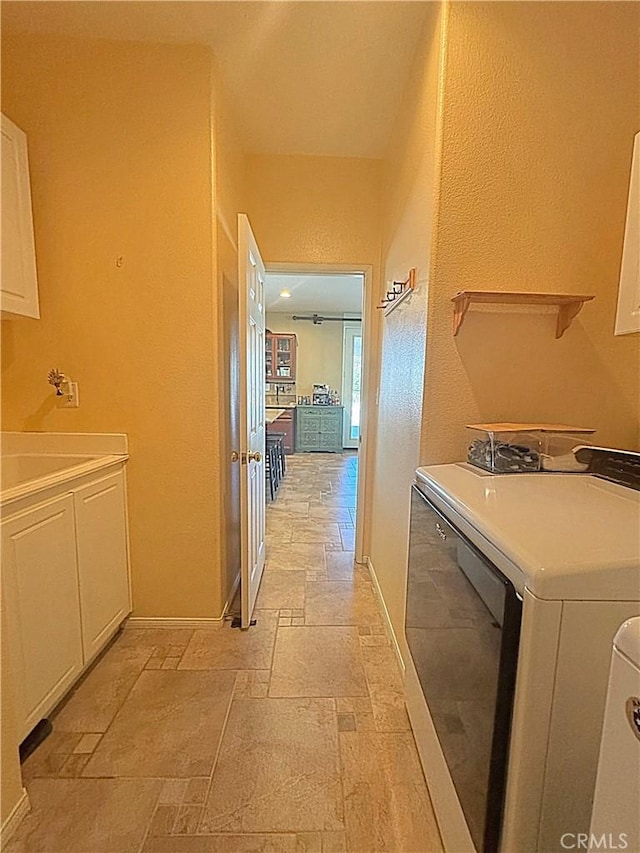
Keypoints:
pixel 517 585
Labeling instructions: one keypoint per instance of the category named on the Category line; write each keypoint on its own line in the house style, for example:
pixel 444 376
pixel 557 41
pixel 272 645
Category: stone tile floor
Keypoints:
pixel 291 737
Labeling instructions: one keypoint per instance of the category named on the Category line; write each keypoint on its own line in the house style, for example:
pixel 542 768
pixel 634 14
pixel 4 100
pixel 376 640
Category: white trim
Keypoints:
pixel 387 618
pixel 66 443
pixel 222 221
pixel 350 331
pixel 15 817
pixel 175 622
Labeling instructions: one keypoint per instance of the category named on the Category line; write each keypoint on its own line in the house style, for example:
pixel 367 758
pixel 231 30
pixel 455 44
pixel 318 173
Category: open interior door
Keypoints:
pixel 252 416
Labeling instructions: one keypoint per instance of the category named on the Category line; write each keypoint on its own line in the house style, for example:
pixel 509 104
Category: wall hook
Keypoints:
pixel 399 292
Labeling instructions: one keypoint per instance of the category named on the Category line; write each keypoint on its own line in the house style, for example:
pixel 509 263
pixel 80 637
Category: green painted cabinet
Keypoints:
pixel 319 428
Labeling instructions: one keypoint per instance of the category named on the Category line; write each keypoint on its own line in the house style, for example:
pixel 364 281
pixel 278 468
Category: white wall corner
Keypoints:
pixel 387 617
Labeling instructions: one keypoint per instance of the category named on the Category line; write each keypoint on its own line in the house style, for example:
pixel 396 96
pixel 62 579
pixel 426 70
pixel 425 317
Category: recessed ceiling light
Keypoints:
pixel 285 294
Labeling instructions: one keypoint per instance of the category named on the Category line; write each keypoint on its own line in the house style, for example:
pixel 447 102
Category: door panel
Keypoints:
pixel 251 276
pixel 103 563
pixel 41 606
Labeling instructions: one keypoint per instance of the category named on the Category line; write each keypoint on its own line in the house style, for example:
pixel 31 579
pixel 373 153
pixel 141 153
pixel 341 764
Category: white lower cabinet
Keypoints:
pixel 100 510
pixel 41 606
pixel 65 588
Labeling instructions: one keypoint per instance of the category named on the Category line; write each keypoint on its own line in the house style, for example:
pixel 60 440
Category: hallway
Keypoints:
pixel 289 738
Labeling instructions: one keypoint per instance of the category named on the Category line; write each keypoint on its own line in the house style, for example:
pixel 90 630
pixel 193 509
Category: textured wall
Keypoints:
pixel 120 147
pixel 320 210
pixel 410 177
pixel 541 104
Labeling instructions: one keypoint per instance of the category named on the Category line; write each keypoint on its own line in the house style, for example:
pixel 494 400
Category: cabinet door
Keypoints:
pixel 41 606
pixel 309 421
pixel 329 441
pixel 294 356
pixel 284 425
pixel 307 440
pixel 284 357
pixel 269 359
pixel 103 559
pixel 288 428
pixel 331 421
pixel 19 288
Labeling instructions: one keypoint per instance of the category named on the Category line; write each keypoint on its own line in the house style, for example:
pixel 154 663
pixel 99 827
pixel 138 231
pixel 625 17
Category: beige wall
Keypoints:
pixel 121 163
pixel 322 210
pixel 319 355
pixel 315 210
pixel 540 113
pixel 410 172
pixel 229 193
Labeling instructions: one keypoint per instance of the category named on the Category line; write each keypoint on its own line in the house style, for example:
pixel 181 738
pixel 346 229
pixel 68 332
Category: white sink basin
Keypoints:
pixel 23 468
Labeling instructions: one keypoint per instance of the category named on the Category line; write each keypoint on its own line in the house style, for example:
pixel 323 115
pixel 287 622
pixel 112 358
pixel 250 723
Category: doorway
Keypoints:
pixel 328 334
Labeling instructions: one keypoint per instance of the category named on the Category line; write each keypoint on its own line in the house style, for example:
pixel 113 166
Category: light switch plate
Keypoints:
pixel 70 400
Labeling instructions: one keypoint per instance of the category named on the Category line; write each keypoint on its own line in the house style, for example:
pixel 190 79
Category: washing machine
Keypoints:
pixel 517 586
pixel 615 821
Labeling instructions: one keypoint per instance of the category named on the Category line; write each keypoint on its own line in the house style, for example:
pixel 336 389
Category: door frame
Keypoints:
pixel 368 391
pixel 350 330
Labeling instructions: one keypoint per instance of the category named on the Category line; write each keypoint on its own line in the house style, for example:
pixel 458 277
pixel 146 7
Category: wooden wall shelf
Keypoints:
pixel 569 304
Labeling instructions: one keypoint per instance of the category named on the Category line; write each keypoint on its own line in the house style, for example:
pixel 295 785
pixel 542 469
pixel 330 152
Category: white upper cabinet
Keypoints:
pixel 19 286
pixel 628 315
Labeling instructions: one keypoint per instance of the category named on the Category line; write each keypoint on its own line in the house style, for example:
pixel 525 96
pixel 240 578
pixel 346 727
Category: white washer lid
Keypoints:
pixel 627 640
pixel 574 536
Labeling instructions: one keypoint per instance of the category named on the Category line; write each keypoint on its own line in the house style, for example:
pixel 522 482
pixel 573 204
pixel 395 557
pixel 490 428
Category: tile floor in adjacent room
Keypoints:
pixel 291 737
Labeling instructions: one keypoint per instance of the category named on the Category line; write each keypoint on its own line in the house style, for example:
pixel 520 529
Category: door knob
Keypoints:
pixel 252 457
pixel 235 456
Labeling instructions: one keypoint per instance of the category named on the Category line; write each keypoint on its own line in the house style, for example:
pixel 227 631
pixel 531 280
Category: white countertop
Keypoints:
pixel 33 462
pixel 573 536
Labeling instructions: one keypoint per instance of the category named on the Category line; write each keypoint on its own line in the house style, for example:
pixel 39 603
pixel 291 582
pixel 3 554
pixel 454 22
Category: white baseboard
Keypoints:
pixel 13 820
pixel 177 622
pixel 385 613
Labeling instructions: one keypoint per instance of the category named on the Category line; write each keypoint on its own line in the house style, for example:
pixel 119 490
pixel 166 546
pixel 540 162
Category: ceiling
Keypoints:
pixel 303 77
pixel 317 294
